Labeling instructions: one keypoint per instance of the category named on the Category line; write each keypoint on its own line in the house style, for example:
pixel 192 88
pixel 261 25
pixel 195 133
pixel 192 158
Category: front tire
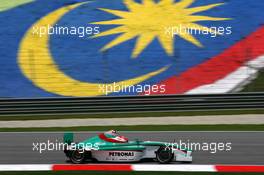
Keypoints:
pixel 164 155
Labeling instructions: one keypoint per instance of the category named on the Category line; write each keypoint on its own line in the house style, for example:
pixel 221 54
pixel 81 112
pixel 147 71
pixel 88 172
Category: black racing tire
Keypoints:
pixel 77 157
pixel 164 155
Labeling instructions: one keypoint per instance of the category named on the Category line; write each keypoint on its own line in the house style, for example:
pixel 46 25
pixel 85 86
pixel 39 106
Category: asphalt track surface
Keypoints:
pixel 247 147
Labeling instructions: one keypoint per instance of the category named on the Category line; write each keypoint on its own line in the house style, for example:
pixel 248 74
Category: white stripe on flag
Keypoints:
pixel 234 80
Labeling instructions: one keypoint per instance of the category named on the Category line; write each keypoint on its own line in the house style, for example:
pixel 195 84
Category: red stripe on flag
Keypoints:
pixel 239 168
pixel 100 167
pixel 219 66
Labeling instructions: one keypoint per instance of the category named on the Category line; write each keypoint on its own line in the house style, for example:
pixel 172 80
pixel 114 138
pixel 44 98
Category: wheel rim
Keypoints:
pixel 164 155
pixel 77 156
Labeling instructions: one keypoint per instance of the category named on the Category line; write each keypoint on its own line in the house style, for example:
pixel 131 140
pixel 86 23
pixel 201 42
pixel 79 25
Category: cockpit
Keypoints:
pixel 113 136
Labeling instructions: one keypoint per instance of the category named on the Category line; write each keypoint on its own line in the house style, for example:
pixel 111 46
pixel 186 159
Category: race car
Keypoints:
pixel 111 147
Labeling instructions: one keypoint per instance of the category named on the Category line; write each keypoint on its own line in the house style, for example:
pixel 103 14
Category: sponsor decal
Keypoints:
pixel 121 154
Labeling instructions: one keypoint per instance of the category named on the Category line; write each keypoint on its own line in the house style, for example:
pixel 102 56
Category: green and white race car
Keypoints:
pixel 111 147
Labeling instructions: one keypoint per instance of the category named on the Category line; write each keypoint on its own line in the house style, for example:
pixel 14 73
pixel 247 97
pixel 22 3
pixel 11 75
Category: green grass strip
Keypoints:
pixel 146 128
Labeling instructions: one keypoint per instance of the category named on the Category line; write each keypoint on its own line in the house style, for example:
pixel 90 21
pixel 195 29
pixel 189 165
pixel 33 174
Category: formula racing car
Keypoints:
pixel 111 147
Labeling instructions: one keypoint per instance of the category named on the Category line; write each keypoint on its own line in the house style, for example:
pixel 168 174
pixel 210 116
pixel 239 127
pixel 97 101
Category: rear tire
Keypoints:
pixel 77 157
pixel 164 155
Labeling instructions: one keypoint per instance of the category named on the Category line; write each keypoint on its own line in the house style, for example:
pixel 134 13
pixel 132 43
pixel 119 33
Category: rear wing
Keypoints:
pixel 68 138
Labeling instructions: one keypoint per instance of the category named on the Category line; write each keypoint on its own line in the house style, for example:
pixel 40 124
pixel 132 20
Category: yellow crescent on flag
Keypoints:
pixel 45 74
